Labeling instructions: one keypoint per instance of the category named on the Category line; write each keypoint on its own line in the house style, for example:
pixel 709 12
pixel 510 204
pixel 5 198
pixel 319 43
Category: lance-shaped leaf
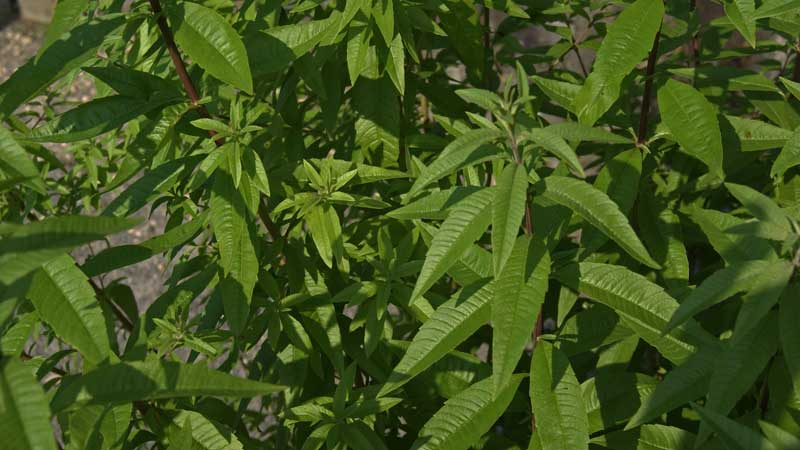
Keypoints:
pixel 735 435
pixel 778 436
pixel 721 285
pixel 619 179
pixel 519 292
pixel 742 14
pixel 212 43
pixel 464 418
pixel 613 395
pixel 557 401
pixel 150 380
pixel 66 15
pixel 596 208
pixel 692 120
pixel 326 231
pixel 95 117
pixel 451 323
pixel 205 433
pixel 465 224
pixel 556 145
pixel 626 44
pixel 65 300
pixel 731 246
pixel 14 162
pixel 67 53
pixel 436 205
pixel 26 247
pixel 790 333
pixel 683 384
pixel 230 221
pixel 648 437
pixel 643 305
pixel 578 132
pixel 788 157
pixel 466 149
pixel 775 222
pixel 124 255
pixel 24 415
pixel 150 185
pixel 508 209
pixel 738 368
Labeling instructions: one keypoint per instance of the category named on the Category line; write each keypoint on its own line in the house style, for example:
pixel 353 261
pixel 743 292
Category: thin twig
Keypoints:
pixel 648 88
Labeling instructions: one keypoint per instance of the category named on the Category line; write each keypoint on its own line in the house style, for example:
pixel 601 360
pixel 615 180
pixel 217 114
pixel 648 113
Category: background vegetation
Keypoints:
pixel 396 224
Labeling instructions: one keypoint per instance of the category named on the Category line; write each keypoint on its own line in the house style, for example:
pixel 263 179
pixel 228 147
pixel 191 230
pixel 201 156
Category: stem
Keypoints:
pixel 580 61
pixel 694 47
pixel 648 87
pixel 177 61
pixel 796 71
pixel 121 316
pixel 537 331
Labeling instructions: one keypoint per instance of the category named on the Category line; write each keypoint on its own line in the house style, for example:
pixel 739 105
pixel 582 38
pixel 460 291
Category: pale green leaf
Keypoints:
pixel 508 208
pixel 150 380
pixel 24 415
pixel 600 211
pixel 519 292
pixel 557 400
pixel 65 300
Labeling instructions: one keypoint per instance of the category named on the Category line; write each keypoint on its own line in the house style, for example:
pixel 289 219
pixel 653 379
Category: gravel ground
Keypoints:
pixel 19 41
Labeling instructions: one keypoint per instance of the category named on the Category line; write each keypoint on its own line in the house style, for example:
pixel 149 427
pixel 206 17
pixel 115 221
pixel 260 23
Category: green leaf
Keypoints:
pixel 626 44
pixel 755 135
pixel 734 435
pixel 519 292
pixel 14 162
pixel 487 100
pixel 742 14
pixel 451 323
pixel 396 65
pixel 692 120
pixel 134 83
pixel 153 183
pixel 578 132
pixel 326 231
pixel 436 205
pixel 684 383
pixel 560 92
pixel 211 43
pixel 466 149
pixel 763 208
pixel 731 246
pixel 648 437
pixel 612 396
pixel 94 118
pixel 151 380
pixel 230 220
pixel 790 333
pixel 557 401
pixel 780 438
pixel 738 367
pixel 205 433
pixel 721 285
pixel 464 418
pixel 596 208
pixel 507 211
pixel 65 300
pixel 26 247
pixel 120 256
pixel 66 15
pixel 69 52
pixel 24 415
pixel 465 224
pixel 359 436
pixel 788 157
pixel 643 305
pixel 557 146
pixel 619 179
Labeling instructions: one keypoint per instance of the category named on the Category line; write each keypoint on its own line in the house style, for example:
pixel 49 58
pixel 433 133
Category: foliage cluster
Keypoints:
pixel 395 224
